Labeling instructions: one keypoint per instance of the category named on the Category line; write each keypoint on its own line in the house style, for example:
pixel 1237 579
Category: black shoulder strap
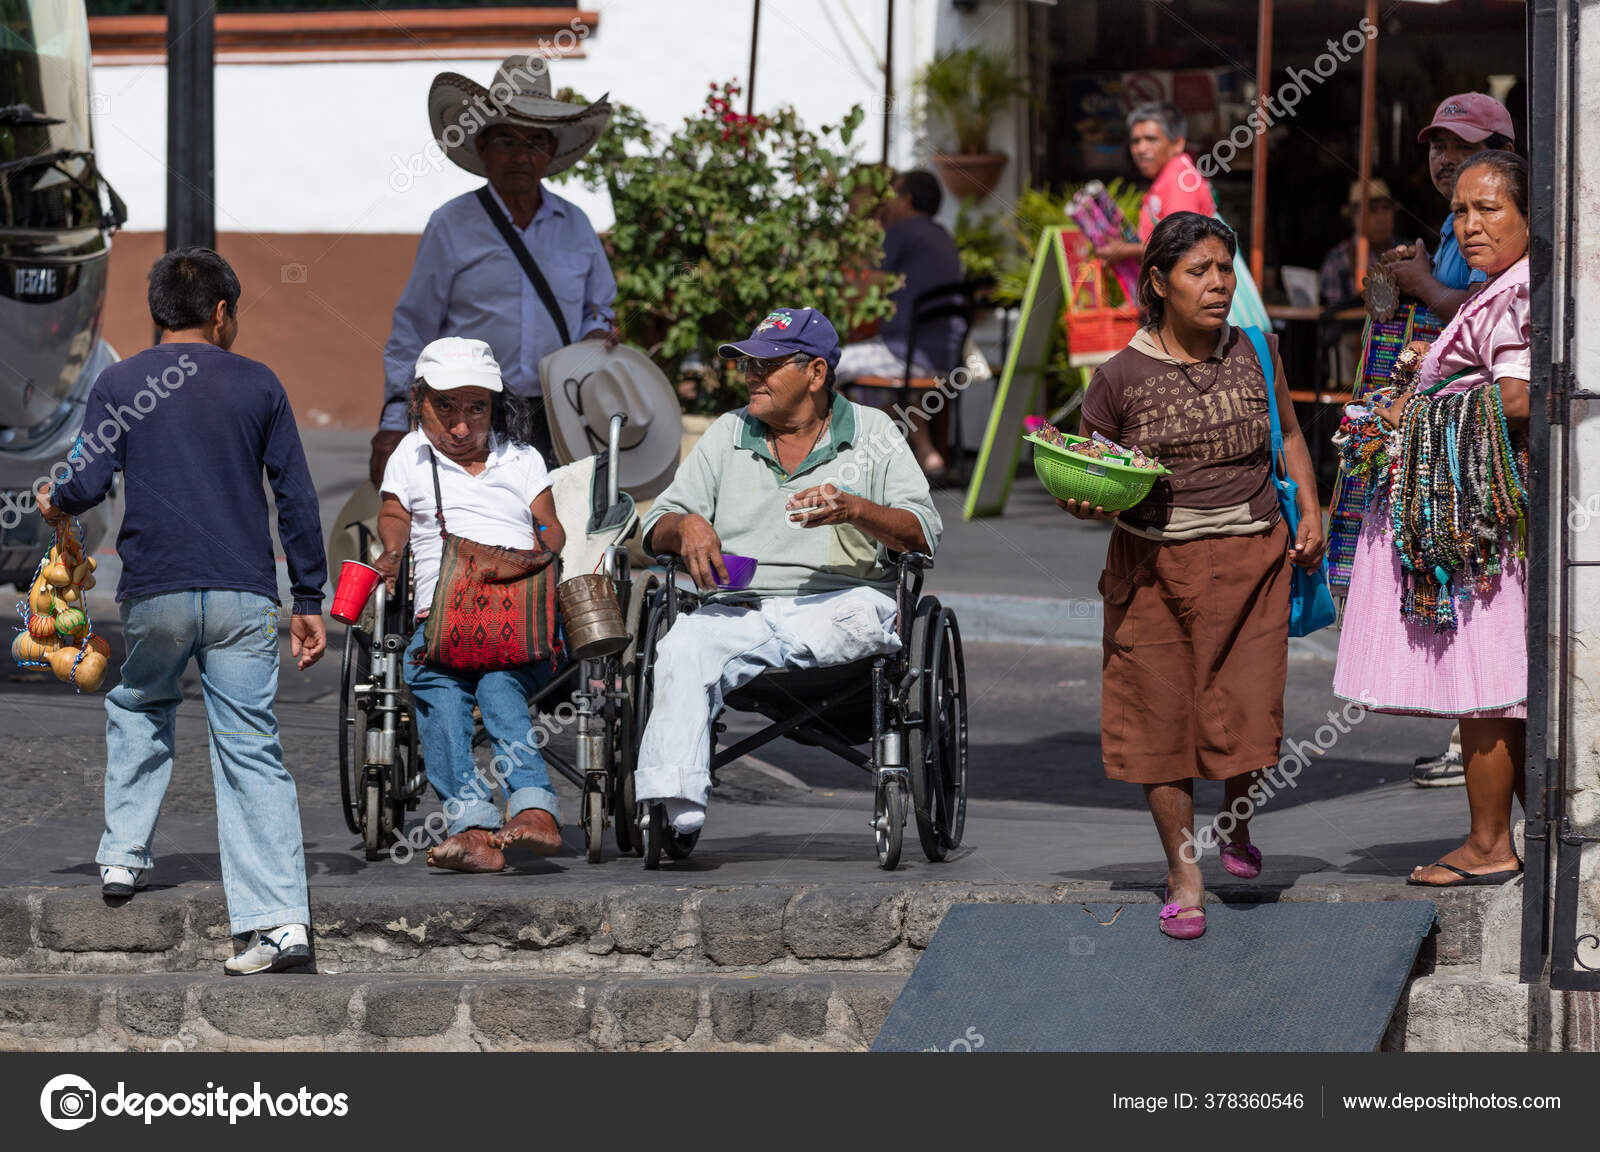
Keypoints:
pixel 438 500
pixel 525 258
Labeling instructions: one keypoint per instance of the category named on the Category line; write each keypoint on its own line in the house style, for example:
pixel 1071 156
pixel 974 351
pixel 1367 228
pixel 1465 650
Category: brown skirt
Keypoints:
pixel 1196 652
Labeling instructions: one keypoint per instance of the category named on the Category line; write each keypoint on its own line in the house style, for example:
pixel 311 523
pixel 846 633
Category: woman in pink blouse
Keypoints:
pixel 1436 623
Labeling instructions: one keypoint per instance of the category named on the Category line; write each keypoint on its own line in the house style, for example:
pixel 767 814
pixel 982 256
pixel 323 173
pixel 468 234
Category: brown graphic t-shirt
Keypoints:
pixel 1207 422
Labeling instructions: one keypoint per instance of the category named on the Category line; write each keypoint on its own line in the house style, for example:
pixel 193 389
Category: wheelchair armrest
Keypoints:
pixel 920 561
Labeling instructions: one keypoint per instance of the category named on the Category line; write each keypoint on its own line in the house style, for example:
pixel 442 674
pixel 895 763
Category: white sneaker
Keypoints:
pixel 685 816
pixel 115 880
pixel 274 950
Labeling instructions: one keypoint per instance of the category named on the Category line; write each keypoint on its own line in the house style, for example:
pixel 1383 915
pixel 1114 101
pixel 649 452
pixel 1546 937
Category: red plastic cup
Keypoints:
pixel 356 582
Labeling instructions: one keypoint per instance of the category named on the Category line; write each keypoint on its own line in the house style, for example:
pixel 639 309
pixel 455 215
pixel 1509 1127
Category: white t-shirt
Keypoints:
pixel 492 507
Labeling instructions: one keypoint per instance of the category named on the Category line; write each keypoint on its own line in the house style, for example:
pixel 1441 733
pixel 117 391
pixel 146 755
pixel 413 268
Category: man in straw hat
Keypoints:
pixel 512 264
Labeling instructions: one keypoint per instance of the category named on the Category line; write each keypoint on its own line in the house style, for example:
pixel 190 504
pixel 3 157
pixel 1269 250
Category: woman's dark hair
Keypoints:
pixel 510 417
pixel 1510 167
pixel 185 286
pixel 1168 244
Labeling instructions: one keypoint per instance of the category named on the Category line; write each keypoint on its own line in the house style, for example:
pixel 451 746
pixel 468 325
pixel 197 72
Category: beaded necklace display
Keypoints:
pixel 1456 484
pixel 1457 500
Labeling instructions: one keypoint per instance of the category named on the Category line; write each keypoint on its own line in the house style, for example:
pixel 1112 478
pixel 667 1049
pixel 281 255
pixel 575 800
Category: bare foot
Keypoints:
pixel 533 829
pixel 471 851
pixel 1468 859
pixel 1187 891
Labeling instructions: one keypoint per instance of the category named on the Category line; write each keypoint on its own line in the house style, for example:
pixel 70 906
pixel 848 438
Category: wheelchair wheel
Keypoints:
pixel 628 730
pixel 653 826
pixel 678 845
pixel 356 669
pixel 889 821
pixel 594 818
pixel 936 744
pixel 372 837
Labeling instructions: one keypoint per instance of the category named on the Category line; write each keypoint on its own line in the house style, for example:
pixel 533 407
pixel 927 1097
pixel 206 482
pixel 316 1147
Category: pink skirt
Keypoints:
pixel 1479 671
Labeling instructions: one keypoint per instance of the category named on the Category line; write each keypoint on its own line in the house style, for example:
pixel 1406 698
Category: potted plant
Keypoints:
pixel 963 90
pixel 726 217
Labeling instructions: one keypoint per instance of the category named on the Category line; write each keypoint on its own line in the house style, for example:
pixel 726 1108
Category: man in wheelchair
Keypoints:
pixel 819 491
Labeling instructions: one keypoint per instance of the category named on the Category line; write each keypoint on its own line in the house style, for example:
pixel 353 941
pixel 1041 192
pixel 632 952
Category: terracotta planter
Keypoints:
pixel 970 176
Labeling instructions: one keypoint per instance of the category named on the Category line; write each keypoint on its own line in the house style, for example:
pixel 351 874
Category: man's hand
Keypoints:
pixel 388 566
pixel 611 336
pixel 53 516
pixel 308 639
pixel 701 550
pixel 1411 268
pixel 384 442
pixel 1081 509
pixel 824 504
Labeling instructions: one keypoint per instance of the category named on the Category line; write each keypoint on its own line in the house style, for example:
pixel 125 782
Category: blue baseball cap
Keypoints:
pixel 785 332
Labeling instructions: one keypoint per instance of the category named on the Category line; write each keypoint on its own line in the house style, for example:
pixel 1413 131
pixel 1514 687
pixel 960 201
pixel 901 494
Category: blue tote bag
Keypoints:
pixel 1310 601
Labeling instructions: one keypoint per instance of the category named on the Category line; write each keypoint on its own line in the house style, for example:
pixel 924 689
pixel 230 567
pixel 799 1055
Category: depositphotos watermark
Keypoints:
pixel 119 419
pixel 1281 777
pixel 1267 112
pixel 886 439
pixel 69 1102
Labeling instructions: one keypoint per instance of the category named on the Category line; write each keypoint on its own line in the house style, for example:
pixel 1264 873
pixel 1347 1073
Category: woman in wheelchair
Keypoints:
pixel 493 488
pixel 819 491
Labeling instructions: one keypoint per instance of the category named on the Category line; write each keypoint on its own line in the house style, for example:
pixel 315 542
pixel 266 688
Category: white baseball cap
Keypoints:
pixel 456 362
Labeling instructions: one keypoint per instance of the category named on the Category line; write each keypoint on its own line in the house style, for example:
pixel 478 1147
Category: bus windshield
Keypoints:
pixel 44 108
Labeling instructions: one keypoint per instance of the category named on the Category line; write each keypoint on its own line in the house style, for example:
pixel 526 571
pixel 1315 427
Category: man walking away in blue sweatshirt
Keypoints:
pixel 191 426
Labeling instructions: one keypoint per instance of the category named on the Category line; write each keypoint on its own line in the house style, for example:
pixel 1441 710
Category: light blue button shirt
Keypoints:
pixel 1450 267
pixel 466 282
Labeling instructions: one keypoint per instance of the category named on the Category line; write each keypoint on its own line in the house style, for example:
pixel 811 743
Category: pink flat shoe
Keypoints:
pixel 1242 860
pixel 1190 929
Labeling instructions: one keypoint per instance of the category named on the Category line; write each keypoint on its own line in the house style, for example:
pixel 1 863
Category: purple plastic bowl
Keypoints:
pixel 741 570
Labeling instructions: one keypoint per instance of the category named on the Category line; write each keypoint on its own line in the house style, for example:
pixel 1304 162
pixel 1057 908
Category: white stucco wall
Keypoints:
pixel 312 147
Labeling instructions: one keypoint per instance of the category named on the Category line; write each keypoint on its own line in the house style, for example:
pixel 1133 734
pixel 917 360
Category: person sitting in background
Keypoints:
pixel 1337 278
pixel 468 457
pixel 918 247
pixel 767 481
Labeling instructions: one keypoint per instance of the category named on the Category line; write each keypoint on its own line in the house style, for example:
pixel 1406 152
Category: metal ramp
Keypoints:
pixel 1268 977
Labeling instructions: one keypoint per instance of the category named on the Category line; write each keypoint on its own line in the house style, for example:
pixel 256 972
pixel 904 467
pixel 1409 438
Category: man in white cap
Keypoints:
pixel 512 264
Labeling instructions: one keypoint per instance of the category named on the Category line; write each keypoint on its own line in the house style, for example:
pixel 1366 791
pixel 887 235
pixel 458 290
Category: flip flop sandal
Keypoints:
pixel 1188 929
pixel 1468 879
pixel 1242 860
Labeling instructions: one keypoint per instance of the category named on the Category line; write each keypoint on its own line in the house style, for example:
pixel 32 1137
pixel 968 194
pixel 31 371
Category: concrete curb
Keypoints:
pixel 476 1012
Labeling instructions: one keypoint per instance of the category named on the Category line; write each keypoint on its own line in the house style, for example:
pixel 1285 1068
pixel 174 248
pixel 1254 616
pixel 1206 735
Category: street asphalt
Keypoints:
pixel 1041 810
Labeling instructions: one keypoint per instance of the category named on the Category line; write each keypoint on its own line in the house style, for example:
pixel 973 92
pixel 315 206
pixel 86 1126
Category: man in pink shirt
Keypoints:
pixel 1156 138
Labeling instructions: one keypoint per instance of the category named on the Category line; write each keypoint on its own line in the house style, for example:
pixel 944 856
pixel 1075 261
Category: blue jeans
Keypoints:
pixel 444 702
pixel 719 648
pixel 233 637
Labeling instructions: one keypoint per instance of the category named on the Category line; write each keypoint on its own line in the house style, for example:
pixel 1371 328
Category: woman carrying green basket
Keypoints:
pixel 1197 577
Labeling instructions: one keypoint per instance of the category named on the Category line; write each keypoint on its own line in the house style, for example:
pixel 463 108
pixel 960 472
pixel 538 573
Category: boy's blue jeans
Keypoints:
pixel 233 637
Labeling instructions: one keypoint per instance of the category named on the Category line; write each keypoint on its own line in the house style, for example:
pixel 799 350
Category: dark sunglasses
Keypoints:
pixel 750 366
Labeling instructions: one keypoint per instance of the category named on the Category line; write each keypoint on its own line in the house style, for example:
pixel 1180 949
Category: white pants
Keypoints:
pixel 718 649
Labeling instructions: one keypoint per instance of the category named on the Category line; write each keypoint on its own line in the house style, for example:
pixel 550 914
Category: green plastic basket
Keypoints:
pixel 1107 483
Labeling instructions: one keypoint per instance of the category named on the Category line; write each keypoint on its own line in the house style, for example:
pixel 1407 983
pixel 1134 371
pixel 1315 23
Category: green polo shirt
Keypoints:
pixel 732 480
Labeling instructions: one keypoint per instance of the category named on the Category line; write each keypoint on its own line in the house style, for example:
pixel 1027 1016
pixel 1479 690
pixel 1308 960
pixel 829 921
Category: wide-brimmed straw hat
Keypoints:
pixel 584 383
pixel 460 110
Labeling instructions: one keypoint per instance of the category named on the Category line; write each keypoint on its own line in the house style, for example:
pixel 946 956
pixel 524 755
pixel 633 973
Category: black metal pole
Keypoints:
pixel 750 81
pixel 191 140
pixel 888 82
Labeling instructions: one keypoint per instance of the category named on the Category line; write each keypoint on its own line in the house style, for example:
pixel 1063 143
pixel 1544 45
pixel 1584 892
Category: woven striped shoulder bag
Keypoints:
pixel 493 608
